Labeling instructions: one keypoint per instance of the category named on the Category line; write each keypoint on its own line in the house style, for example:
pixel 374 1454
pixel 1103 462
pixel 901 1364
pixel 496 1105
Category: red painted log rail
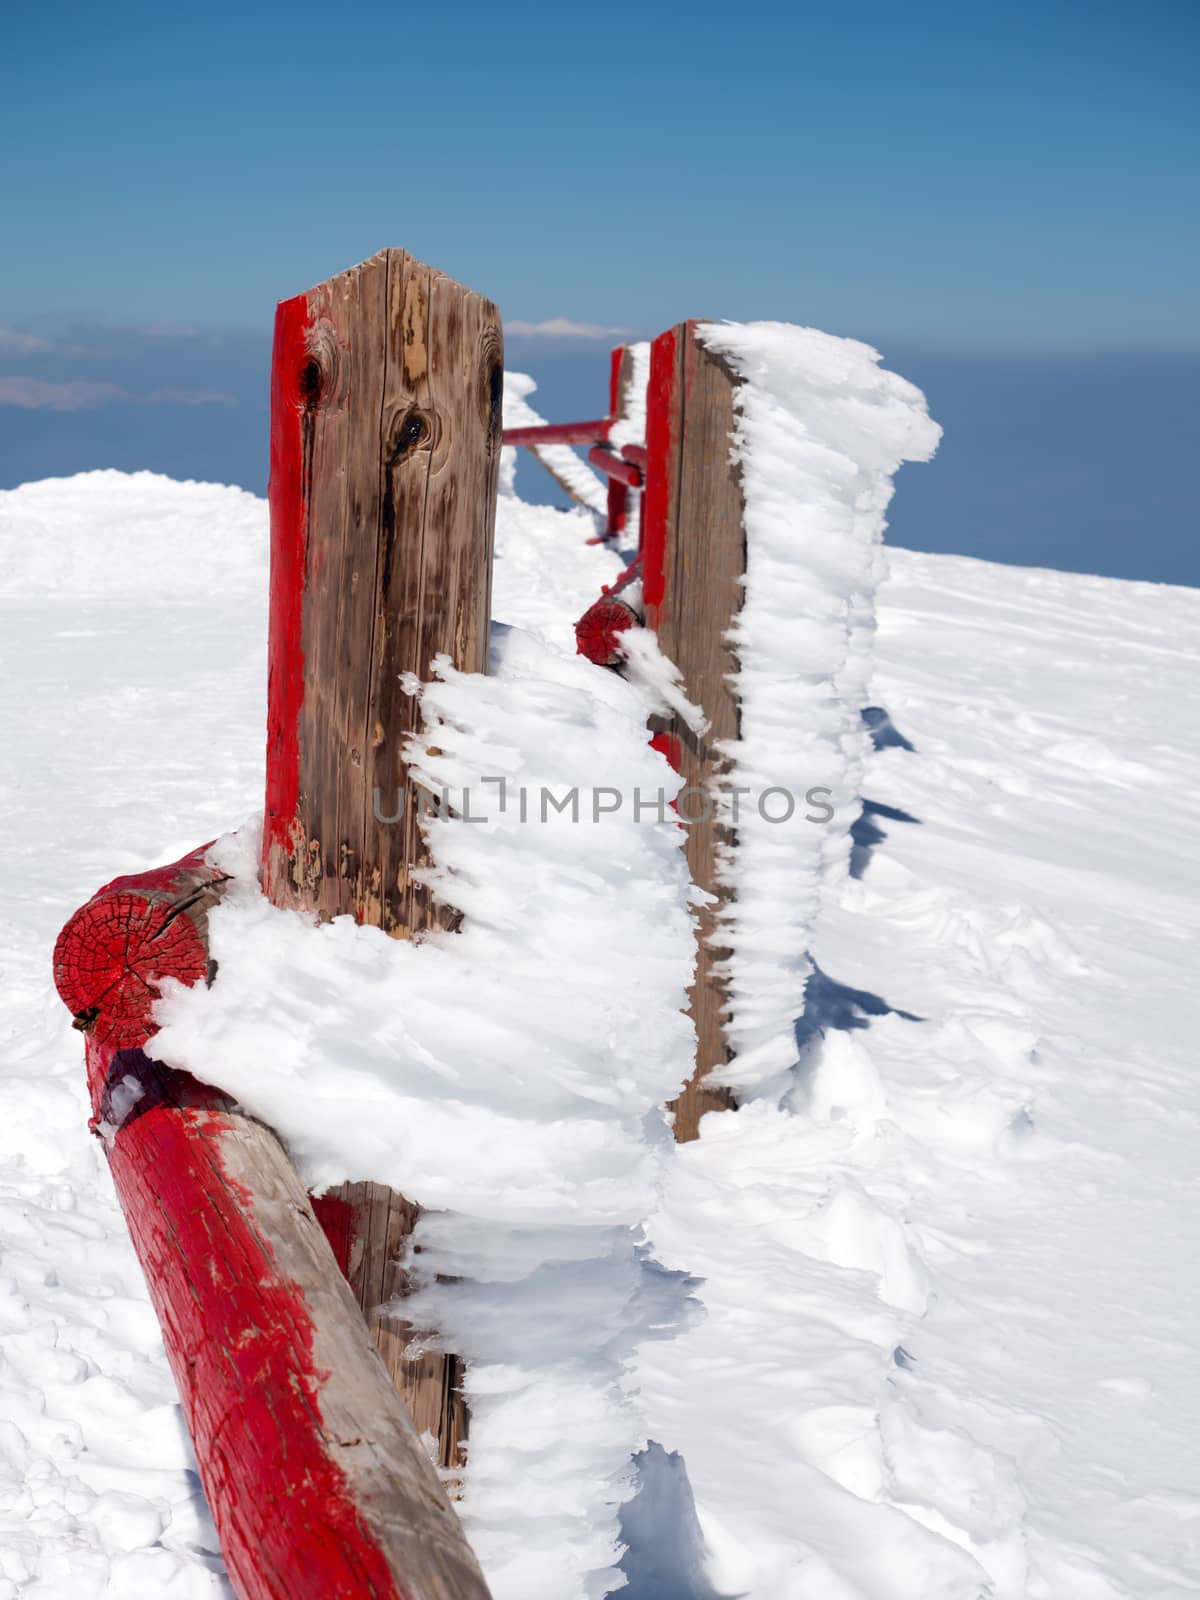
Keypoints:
pixel 318 1483
pixel 624 471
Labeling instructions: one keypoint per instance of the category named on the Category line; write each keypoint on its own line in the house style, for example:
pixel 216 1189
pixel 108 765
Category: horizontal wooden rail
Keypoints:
pixel 559 433
pixel 614 466
pixel 317 1480
pixel 623 471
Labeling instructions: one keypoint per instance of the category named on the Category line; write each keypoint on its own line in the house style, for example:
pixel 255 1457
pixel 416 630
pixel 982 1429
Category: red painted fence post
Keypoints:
pixel 693 570
pixel 385 423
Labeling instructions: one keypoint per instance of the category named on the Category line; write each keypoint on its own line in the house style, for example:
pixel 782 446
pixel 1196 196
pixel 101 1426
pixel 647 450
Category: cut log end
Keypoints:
pixel 110 959
pixel 598 631
pixel 318 1480
pixel 112 955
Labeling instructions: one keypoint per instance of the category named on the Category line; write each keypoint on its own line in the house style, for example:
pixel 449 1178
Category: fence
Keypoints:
pixel 304 1407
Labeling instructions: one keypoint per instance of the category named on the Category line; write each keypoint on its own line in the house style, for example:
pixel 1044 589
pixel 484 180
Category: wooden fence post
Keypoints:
pixel 386 393
pixel 694 561
pixel 620 378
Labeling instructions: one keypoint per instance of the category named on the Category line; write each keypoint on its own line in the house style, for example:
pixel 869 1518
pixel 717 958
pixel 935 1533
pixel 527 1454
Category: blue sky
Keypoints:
pixel 972 186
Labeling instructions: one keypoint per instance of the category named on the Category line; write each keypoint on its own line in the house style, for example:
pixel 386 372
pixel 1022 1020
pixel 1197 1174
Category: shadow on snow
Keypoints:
pixel 664 1556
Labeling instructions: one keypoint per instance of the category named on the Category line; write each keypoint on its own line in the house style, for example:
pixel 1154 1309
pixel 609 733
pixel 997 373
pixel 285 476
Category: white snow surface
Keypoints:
pixel 129 533
pixel 925 1304
pixel 509 1078
pixel 505 1078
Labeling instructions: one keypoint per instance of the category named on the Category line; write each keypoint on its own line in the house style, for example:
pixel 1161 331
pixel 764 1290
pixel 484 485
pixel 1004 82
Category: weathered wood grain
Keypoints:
pixel 386 420
pixel 377 1264
pixel 694 561
pixel 386 396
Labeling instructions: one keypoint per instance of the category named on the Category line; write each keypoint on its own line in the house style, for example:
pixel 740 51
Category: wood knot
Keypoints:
pixel 412 430
pixel 491 388
pixel 320 381
pixel 495 383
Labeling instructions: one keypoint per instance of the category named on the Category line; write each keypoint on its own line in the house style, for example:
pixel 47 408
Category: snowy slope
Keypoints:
pixel 132 730
pixel 955 1273
pixel 946 1285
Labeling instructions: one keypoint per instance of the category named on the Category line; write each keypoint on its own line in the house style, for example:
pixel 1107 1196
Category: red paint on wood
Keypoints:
pixel 661 444
pixel 559 433
pixel 615 466
pixel 668 744
pixel 303 1505
pixel 632 571
pixel 617 510
pixel 239 1338
pixel 111 955
pixel 635 453
pixel 615 361
pixel 286 494
pixel 158 880
pixel 598 630
pixel 618 497
pixel 338 1223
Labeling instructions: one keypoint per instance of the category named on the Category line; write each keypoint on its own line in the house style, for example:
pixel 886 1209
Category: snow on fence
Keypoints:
pixel 765 474
pixel 279 1314
pixel 385 447
pixel 317 1480
pixel 614 443
pixel 686 582
pixel 385 444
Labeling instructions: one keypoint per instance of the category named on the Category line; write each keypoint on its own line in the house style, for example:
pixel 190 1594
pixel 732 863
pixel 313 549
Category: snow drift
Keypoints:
pixel 509 1079
pixel 926 1302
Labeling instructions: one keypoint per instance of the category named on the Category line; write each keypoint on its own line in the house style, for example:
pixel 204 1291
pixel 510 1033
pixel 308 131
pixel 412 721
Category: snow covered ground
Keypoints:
pixel 935 1291
pixel 952 1278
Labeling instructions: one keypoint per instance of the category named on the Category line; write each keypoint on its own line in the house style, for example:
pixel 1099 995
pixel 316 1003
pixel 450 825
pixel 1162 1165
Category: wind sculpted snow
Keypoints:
pixel 924 1307
pixel 949 1271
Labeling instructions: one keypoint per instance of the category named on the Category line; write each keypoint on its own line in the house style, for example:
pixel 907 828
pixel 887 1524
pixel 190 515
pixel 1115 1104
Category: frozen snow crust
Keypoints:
pixel 130 533
pixel 508 1077
pixel 917 1320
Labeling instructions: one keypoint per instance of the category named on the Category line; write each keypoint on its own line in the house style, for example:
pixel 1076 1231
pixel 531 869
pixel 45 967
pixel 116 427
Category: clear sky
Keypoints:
pixel 1003 198
pixel 944 169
